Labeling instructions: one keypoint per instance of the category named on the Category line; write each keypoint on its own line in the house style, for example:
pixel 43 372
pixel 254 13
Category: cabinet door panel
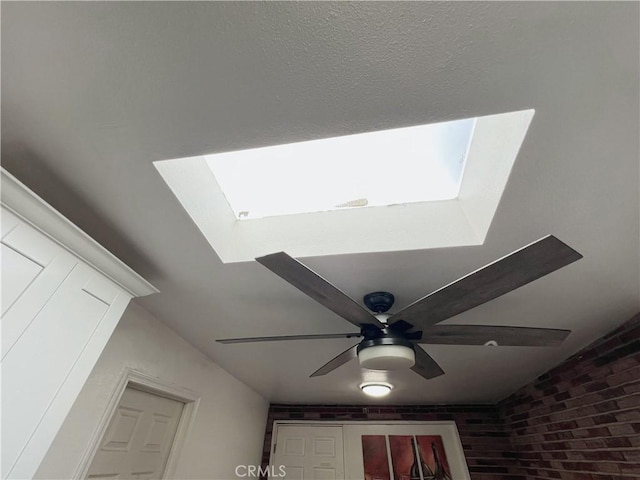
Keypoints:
pixel 18 272
pixel 33 244
pixel 59 407
pixel 33 268
pixel 47 351
pixel 27 303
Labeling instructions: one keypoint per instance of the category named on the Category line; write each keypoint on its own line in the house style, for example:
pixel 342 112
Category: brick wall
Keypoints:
pixel 581 420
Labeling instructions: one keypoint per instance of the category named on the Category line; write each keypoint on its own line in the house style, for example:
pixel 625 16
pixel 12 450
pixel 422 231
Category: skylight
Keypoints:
pixel 389 167
pixel 477 155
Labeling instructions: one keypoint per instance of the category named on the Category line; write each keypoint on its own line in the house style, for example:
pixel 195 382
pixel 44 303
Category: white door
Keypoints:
pixel 309 452
pixel 139 437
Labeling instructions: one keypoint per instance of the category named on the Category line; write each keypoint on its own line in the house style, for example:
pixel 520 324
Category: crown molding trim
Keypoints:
pixel 20 200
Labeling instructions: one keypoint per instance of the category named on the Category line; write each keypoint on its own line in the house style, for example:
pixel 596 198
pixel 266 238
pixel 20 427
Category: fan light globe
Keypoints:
pixel 387 357
pixel 376 389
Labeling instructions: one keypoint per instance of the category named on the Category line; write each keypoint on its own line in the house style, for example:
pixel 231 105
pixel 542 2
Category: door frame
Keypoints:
pixel 147 383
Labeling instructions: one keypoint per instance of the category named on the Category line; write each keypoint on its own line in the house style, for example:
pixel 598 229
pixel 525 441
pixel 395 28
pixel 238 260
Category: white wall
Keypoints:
pixel 229 425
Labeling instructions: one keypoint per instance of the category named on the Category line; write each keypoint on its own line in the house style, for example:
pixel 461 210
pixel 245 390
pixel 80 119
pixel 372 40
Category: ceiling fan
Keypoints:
pixel 391 342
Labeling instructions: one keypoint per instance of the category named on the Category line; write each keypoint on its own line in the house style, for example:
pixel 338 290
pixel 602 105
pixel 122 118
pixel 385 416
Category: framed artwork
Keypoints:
pixel 413 457
pixel 426 451
pixel 374 457
pixel 432 457
pixel 403 457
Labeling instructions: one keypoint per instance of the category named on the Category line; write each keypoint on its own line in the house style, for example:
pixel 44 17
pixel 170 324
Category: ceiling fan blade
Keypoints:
pixel 336 362
pixel 426 366
pixel 289 337
pixel 313 285
pixel 503 336
pixel 502 276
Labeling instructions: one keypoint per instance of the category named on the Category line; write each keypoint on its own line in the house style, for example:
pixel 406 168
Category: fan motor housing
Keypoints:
pixel 386 353
pixel 379 302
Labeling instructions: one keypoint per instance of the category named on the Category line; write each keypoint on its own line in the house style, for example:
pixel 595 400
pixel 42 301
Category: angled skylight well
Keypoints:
pixel 425 186
pixel 376 169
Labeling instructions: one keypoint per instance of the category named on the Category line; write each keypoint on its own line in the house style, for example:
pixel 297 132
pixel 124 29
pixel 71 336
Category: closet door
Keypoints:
pixel 309 452
pixel 139 438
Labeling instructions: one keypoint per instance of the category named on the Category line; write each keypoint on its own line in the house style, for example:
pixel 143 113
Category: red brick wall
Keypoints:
pixel 581 420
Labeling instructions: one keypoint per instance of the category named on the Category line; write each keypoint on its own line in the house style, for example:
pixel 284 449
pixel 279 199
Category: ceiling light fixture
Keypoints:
pixel 386 354
pixel 376 389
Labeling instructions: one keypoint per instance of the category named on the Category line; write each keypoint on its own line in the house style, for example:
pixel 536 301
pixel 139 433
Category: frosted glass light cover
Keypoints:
pixel 387 167
pixel 376 389
pixel 387 357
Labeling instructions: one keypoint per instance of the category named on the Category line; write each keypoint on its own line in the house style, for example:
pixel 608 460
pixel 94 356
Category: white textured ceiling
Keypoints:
pixel 93 93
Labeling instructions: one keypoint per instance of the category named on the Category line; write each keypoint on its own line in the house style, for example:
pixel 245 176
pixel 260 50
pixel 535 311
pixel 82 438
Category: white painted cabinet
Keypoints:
pixel 60 304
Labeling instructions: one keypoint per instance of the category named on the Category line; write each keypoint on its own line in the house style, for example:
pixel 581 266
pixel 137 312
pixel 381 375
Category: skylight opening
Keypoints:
pixel 400 166
pixel 493 143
